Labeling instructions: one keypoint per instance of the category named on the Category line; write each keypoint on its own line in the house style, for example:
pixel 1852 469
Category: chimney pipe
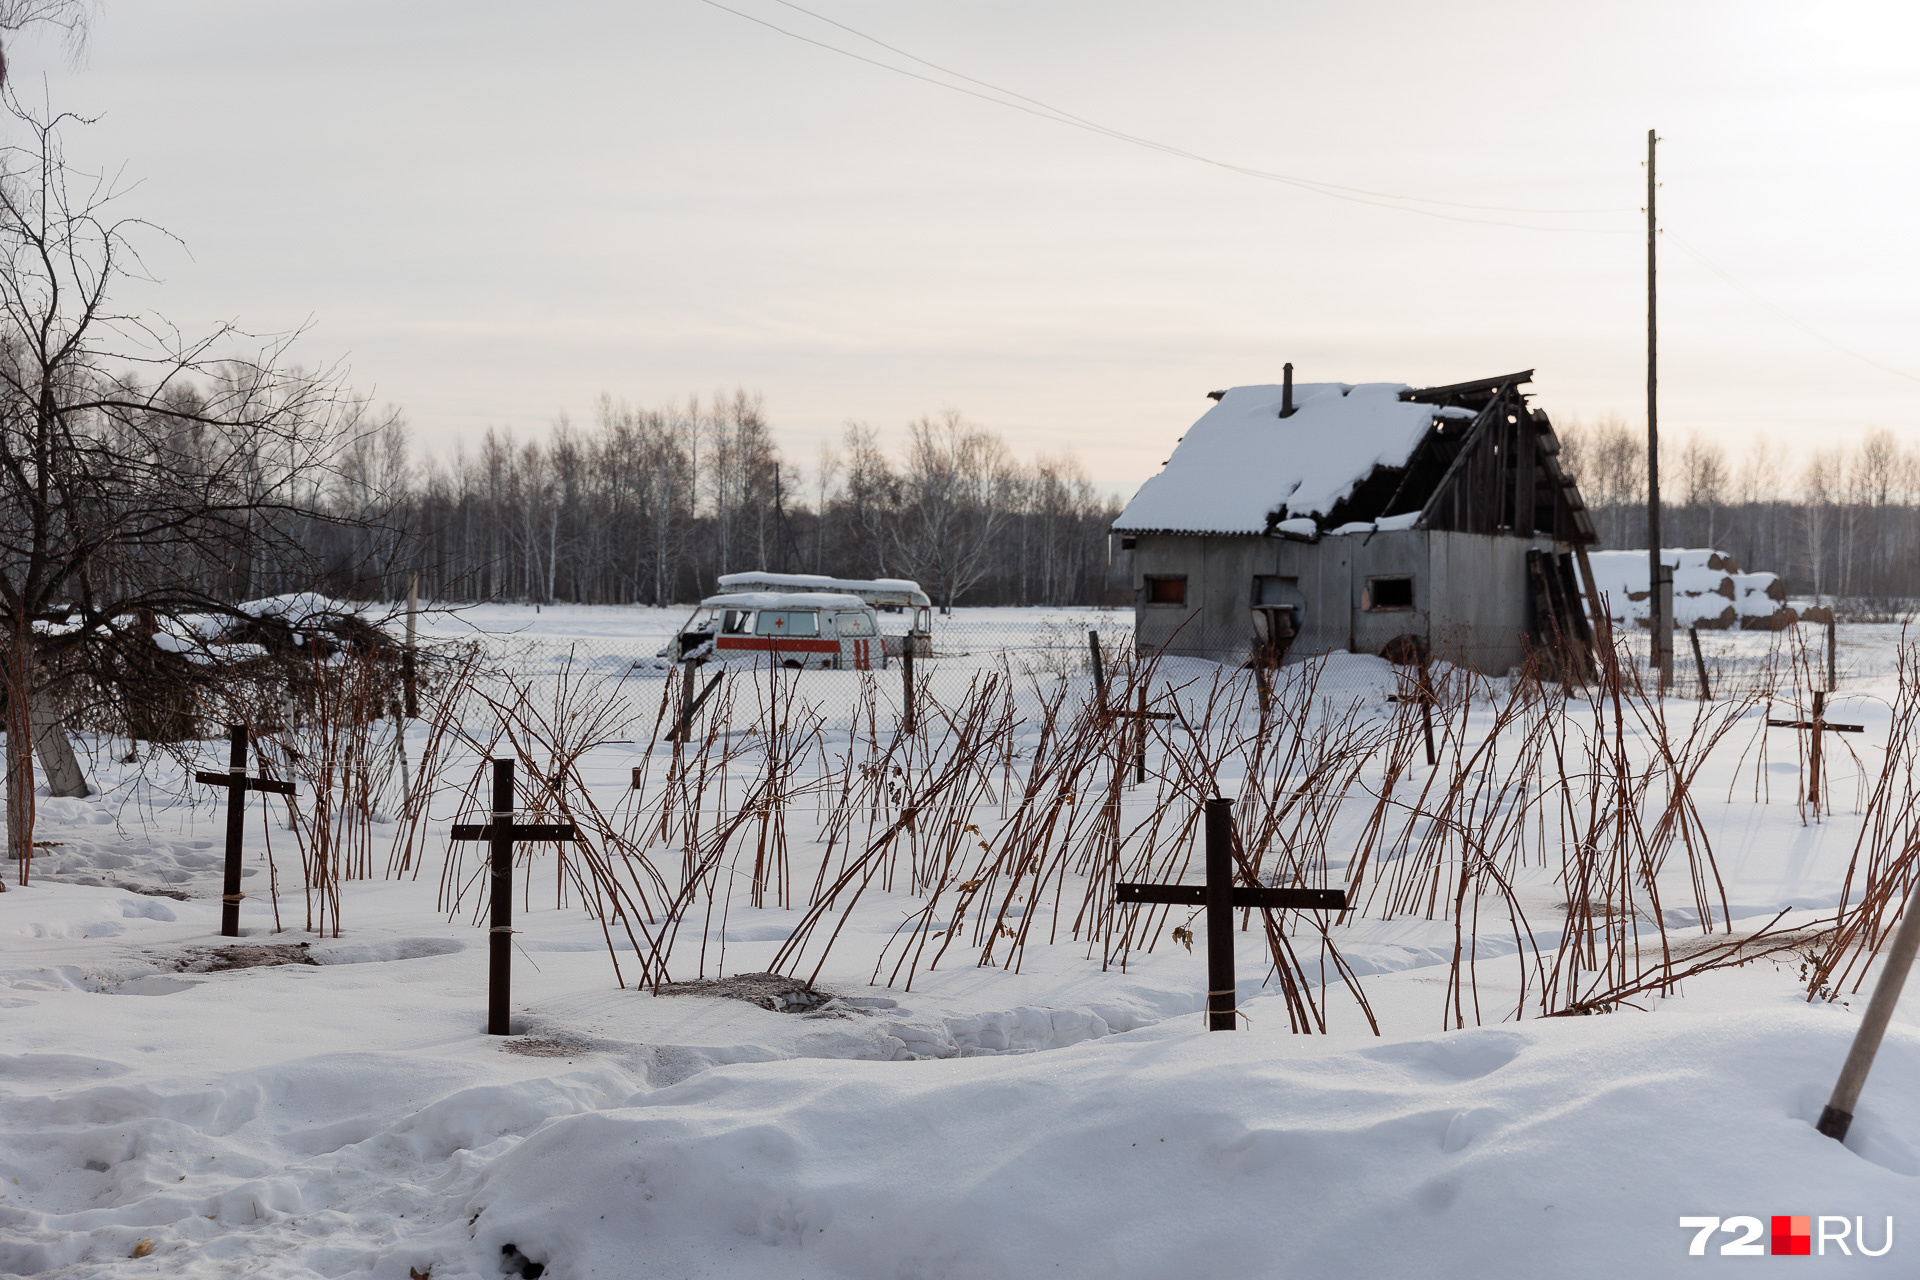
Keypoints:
pixel 1286 392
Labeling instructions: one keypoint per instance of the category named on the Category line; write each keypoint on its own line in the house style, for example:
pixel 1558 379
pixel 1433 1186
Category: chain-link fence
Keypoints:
pixel 1045 654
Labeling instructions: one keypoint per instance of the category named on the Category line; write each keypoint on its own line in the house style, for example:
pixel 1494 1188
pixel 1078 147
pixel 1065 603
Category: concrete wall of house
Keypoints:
pixel 1482 599
pixel 1222 572
pixel 1402 553
pixel 1471 597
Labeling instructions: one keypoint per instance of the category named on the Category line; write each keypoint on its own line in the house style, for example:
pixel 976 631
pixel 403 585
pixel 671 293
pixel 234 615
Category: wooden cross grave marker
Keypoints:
pixel 501 834
pixel 1142 715
pixel 1818 725
pixel 1220 897
pixel 237 783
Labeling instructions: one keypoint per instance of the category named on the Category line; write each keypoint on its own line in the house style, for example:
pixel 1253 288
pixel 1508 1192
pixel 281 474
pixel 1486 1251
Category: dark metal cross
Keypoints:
pixel 1819 725
pixel 1220 897
pixel 237 783
pixel 501 834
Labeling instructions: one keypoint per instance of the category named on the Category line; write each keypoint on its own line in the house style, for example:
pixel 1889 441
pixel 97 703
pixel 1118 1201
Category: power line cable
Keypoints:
pixel 1033 107
pixel 1111 132
pixel 1782 313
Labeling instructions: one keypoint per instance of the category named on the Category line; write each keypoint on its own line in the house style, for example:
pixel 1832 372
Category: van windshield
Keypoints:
pixel 786 622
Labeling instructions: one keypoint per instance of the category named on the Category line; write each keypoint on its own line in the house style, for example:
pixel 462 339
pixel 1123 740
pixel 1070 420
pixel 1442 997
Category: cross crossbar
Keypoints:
pixel 1819 725
pixel 1195 895
pixel 1825 726
pixel 518 832
pixel 242 782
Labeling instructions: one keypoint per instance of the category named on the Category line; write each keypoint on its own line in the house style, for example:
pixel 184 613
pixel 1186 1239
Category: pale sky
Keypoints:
pixel 495 212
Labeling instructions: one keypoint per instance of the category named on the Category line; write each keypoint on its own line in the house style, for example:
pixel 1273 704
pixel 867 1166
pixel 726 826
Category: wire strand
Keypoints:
pixel 1728 279
pixel 1033 107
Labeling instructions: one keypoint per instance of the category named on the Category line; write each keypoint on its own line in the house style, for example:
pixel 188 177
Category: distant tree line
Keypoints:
pixel 651 505
pixel 1841 521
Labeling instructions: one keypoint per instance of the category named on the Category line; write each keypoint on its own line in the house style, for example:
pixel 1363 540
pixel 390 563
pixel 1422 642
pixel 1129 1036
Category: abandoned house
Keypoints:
pixel 1298 520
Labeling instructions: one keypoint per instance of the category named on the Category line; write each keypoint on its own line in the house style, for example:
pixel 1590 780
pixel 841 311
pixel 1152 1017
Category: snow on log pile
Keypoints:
pixel 1709 591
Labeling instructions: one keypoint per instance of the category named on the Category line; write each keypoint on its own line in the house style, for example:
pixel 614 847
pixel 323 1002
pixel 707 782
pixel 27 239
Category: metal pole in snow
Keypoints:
pixel 906 683
pixel 236 831
pixel 500 936
pixel 1220 983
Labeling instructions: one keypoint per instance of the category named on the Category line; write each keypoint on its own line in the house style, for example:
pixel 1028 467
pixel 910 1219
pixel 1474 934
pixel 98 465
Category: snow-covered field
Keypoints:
pixel 1069 1115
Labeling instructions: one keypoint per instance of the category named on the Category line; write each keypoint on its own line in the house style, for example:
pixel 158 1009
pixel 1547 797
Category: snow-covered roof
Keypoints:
pixel 894 591
pixel 1242 461
pixel 783 600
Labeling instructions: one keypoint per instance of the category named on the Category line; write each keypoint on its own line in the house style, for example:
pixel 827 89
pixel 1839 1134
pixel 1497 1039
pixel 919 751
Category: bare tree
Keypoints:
pixel 955 499
pixel 138 468
pixel 70 18
pixel 1703 468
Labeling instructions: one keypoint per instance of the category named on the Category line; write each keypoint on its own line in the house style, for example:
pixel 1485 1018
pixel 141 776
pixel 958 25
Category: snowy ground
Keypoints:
pixel 348 1116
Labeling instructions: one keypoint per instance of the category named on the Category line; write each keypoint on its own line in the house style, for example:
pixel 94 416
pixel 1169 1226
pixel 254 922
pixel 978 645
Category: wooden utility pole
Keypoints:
pixel 1659 601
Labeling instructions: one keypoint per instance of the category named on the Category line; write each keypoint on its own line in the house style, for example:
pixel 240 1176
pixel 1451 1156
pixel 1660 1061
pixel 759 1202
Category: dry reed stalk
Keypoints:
pixel 1890 838
pixel 342 767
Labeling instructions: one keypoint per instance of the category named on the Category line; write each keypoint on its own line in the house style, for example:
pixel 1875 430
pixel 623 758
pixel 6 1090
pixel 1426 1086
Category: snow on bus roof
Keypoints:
pixel 872 590
pixel 744 600
pixel 1242 461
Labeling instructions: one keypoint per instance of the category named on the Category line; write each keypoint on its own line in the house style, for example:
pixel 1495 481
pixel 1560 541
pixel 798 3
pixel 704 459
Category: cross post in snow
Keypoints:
pixel 1220 897
pixel 1142 715
pixel 501 834
pixel 237 783
pixel 1818 725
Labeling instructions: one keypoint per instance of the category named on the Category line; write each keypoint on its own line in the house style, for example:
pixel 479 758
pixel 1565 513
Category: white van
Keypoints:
pixel 887 595
pixel 807 630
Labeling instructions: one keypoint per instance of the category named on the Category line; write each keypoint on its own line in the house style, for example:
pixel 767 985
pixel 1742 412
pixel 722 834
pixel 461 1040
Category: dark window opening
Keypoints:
pixel 1389 593
pixel 1166 590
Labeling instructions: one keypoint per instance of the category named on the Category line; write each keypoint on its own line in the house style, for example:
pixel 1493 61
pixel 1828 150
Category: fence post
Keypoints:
pixel 906 679
pixel 1426 708
pixel 410 688
pixel 1663 633
pixel 1819 719
pixel 1099 671
pixel 686 705
pixel 1832 683
pixel 1140 760
pixel 1693 634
